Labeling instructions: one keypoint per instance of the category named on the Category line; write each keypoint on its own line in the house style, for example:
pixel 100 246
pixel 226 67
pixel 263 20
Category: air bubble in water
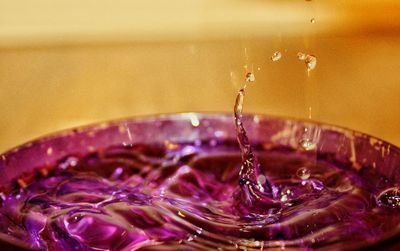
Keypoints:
pixel 250 77
pixel 276 56
pixel 389 198
pixel 303 173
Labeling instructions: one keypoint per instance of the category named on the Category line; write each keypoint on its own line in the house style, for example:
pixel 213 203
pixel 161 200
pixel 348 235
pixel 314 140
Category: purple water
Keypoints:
pixel 179 197
pixel 208 194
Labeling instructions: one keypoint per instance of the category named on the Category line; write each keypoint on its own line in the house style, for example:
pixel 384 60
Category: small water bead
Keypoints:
pixel 303 173
pixel 312 20
pixel 307 144
pixel 311 62
pixel 250 77
pixel 389 198
pixel 301 56
pixel 276 56
pixel 285 194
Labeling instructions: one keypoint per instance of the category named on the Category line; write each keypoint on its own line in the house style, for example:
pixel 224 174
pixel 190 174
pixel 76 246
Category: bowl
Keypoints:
pixel 365 155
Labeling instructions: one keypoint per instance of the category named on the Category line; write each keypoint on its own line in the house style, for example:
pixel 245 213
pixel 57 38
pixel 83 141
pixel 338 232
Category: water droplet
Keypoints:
pixel 276 56
pixel 307 144
pixel 303 173
pixel 389 198
pixel 301 56
pixel 311 62
pixel 312 20
pixel 250 77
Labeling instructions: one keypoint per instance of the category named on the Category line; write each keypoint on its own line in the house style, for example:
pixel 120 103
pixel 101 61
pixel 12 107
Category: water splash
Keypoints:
pixel 255 186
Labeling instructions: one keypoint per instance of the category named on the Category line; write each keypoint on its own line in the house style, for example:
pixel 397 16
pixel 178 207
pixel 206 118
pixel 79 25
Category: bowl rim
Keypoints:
pixel 187 115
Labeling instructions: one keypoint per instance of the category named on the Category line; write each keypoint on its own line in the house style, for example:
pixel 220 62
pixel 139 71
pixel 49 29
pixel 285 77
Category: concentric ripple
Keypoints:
pixel 181 197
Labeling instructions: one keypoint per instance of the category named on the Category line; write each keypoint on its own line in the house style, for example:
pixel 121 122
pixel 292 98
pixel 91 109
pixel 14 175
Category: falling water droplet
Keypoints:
pixel 250 77
pixel 276 56
pixel 311 62
pixel 301 56
pixel 303 173
pixel 389 198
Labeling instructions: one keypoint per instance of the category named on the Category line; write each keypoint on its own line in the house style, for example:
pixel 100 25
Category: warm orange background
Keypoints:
pixel 78 62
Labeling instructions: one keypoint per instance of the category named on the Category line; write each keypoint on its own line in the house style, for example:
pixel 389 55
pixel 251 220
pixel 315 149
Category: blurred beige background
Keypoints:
pixel 71 63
